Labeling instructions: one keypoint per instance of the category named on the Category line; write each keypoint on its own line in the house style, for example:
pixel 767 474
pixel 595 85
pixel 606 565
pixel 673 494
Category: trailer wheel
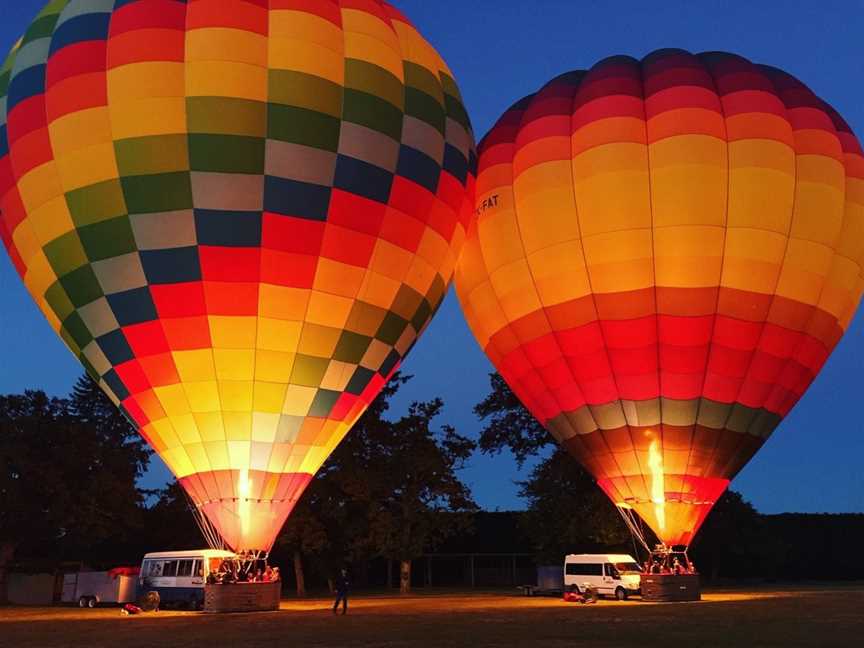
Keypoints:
pixel 82 602
pixel 621 594
pixel 91 602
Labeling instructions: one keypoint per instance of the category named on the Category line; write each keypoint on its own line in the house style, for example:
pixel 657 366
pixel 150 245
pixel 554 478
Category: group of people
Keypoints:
pixel 660 566
pixel 233 572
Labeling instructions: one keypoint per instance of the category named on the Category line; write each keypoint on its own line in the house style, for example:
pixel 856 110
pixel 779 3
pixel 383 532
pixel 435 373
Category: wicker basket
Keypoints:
pixel 671 587
pixel 242 597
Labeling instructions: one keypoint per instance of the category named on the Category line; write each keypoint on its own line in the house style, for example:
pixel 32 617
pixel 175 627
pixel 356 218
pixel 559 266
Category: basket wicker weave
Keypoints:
pixel 242 597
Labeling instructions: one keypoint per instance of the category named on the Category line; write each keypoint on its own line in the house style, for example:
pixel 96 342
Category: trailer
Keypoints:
pixel 550 582
pixel 91 588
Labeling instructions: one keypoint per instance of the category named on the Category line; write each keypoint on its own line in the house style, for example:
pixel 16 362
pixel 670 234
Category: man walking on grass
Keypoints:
pixel 342 586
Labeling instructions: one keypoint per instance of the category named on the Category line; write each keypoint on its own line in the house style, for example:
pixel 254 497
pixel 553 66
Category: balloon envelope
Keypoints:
pixel 666 253
pixel 239 215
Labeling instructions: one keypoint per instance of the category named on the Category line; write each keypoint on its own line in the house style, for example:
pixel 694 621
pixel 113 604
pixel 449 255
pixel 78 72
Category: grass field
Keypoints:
pixel 741 618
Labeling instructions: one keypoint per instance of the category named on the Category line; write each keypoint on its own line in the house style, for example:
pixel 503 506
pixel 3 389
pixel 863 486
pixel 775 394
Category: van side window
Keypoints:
pixel 170 568
pixel 198 569
pixel 156 568
pixel 584 569
pixel 184 568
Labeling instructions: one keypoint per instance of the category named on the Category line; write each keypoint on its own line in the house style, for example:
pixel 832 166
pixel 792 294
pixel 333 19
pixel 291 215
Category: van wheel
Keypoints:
pixel 193 604
pixel 91 602
pixel 82 602
pixel 621 594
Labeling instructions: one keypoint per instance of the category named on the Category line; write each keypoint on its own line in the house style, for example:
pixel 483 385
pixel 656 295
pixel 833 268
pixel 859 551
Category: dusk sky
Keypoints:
pixel 499 52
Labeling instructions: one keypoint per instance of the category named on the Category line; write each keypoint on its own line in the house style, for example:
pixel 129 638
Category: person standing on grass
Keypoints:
pixel 342 587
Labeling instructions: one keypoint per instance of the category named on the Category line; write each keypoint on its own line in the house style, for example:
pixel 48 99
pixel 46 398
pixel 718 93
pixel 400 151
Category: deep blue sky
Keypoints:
pixel 501 51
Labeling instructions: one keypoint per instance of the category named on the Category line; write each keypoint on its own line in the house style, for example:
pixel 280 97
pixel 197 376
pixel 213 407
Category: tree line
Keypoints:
pixel 70 471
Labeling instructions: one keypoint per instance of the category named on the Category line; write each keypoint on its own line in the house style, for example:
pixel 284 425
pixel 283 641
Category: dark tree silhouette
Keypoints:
pixel 414 485
pixel 508 424
pixel 730 540
pixel 567 511
pixel 315 530
pixel 68 473
pixel 170 521
pixel 390 489
pixel 329 527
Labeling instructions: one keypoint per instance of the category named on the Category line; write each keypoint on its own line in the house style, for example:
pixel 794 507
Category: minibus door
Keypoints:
pixel 609 574
pixel 198 572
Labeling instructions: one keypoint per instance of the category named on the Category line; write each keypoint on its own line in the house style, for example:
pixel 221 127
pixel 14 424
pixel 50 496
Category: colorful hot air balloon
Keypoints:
pixel 666 253
pixel 239 215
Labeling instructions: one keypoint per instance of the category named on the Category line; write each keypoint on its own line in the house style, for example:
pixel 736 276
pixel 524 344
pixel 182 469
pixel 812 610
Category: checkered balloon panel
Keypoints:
pixel 239 215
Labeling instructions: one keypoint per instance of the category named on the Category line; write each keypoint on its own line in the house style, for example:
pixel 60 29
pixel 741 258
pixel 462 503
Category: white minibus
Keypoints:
pixel 179 576
pixel 615 575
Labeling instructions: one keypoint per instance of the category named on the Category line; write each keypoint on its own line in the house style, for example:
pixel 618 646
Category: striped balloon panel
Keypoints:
pixel 666 253
pixel 239 215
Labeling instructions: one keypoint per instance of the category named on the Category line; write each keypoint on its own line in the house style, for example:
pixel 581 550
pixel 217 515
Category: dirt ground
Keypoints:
pixel 806 616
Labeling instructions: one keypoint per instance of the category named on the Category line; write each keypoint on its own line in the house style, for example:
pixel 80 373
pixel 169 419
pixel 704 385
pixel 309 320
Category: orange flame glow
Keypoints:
pixel 244 490
pixel 658 489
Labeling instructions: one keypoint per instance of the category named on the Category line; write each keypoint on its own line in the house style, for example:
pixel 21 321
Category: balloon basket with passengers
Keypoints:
pixel 244 583
pixel 670 576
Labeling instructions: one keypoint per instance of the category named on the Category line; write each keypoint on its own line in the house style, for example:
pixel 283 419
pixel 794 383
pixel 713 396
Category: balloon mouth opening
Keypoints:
pixel 632 502
pixel 674 513
pixel 243 510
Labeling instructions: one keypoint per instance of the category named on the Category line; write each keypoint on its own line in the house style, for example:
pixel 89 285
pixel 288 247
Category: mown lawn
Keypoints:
pixel 815 616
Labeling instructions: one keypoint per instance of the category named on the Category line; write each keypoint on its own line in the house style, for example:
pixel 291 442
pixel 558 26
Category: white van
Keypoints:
pixel 179 576
pixel 615 575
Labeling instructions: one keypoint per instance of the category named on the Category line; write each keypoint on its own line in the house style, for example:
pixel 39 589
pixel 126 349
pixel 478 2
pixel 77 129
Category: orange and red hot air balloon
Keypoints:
pixel 239 215
pixel 666 253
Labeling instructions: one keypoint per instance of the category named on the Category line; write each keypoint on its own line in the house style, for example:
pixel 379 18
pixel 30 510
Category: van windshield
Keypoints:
pixel 628 568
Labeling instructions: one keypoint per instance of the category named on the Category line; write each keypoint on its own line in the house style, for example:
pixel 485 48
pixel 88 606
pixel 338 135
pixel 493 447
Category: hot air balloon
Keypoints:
pixel 666 253
pixel 239 215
